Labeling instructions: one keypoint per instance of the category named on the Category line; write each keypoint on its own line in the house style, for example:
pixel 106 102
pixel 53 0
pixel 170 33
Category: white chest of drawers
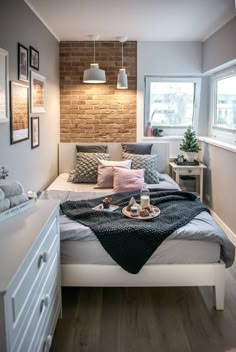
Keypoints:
pixel 30 296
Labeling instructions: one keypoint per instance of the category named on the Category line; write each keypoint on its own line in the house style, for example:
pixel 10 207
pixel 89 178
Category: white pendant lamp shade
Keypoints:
pixel 122 79
pixel 94 75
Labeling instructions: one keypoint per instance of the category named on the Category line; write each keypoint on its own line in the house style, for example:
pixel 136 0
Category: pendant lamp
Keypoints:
pixel 122 79
pixel 94 74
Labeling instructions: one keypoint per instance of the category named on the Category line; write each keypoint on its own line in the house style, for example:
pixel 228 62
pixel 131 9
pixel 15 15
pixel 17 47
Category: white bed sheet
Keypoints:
pixel 61 184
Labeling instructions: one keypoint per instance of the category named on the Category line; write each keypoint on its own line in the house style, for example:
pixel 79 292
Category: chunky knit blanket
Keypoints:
pixel 132 242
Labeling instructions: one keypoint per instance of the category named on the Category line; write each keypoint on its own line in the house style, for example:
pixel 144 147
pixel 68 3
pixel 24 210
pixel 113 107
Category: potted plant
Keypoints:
pixel 190 144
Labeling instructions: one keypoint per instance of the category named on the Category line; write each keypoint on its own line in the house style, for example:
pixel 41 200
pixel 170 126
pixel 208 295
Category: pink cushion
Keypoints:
pixel 105 171
pixel 127 180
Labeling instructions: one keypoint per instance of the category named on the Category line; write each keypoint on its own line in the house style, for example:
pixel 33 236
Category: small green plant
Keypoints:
pixel 190 143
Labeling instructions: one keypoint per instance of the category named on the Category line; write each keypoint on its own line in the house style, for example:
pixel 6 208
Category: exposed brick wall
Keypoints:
pixel 97 112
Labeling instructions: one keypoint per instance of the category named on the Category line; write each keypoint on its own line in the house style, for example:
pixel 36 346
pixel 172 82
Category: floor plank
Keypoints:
pixel 174 319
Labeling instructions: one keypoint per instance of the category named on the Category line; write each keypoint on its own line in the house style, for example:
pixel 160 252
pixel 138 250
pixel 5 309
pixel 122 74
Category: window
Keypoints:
pixel 172 103
pixel 225 103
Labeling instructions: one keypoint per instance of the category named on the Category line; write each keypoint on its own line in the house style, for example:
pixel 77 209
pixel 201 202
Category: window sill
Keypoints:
pixel 218 143
pixel 164 138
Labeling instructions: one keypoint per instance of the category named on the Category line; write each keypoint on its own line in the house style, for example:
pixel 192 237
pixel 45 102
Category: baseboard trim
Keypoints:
pixel 231 235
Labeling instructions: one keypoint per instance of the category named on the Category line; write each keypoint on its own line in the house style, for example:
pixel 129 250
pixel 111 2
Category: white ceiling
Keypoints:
pixel 158 20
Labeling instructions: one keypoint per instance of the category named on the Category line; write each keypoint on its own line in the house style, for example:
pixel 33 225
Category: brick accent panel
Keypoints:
pixel 97 112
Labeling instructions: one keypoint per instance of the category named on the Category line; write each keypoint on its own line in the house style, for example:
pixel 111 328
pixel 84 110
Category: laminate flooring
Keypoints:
pixel 174 319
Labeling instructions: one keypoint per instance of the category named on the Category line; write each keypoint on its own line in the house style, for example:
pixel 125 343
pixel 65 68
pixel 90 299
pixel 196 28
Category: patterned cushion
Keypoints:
pixel 86 170
pixel 147 162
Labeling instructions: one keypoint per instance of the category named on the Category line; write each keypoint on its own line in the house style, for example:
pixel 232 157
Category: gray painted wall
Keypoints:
pixel 35 168
pixel 219 182
pixel 219 51
pixel 220 48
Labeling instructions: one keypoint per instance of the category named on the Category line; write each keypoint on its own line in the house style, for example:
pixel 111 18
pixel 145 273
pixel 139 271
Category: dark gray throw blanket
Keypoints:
pixel 132 242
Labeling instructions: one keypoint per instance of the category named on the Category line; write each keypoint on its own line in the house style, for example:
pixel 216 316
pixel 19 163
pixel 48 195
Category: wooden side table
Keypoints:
pixel 183 170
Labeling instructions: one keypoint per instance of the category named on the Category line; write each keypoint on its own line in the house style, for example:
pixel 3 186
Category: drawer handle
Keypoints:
pixel 190 171
pixel 47 343
pixel 44 302
pixel 43 258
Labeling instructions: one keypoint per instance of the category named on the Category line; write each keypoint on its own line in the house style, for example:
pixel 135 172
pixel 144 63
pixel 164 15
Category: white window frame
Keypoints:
pixel 222 133
pixel 170 130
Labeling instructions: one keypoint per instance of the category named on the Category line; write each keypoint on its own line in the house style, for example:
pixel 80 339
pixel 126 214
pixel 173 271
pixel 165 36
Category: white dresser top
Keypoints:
pixel 17 236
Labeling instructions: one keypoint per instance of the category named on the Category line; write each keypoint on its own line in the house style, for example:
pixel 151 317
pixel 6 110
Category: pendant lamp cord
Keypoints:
pixel 122 54
pixel 94 52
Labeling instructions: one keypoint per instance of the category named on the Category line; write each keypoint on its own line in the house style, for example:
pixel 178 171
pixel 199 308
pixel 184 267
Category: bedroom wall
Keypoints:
pixel 219 180
pixel 220 48
pixel 35 168
pixel 97 112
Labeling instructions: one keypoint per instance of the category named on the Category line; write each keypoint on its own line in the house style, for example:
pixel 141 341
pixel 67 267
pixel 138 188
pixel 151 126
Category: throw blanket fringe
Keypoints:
pixel 132 242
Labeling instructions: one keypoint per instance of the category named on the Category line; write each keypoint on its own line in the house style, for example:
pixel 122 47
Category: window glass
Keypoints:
pixel 171 103
pixel 225 112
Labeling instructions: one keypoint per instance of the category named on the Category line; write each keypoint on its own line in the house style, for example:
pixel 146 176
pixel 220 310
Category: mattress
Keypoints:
pixel 169 252
pixel 200 241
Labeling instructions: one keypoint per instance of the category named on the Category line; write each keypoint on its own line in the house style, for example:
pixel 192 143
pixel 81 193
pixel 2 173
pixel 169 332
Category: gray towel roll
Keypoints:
pixel 16 200
pixel 2 195
pixel 12 189
pixel 4 204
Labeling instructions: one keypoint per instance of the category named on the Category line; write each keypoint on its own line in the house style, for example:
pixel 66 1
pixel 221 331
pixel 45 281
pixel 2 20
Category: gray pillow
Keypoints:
pixel 91 148
pixel 86 170
pixel 137 148
pixel 147 162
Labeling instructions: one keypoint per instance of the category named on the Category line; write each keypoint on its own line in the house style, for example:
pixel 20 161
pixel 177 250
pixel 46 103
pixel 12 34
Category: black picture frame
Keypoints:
pixel 17 133
pixel 35 132
pixel 23 63
pixel 34 58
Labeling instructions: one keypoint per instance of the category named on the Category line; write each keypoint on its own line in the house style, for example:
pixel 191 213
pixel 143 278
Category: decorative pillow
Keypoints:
pixel 125 180
pixel 86 170
pixel 105 171
pixel 91 148
pixel 147 162
pixel 137 148
pixel 71 176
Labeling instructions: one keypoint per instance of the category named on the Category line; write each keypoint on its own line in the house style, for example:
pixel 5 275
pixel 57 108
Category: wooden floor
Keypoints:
pixel 146 320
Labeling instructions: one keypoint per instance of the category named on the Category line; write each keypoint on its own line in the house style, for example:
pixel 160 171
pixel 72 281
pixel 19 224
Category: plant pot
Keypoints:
pixel 190 156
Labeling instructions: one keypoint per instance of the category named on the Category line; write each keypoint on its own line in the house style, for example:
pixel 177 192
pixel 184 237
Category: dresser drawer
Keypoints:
pixel 22 294
pixel 190 171
pixel 44 339
pixel 42 309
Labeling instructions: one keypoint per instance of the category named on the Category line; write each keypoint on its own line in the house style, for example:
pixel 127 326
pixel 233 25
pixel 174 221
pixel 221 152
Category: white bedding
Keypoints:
pixel 79 245
pixel 61 184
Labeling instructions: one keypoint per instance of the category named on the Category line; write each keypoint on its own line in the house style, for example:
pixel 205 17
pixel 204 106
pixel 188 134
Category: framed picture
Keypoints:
pixel 38 90
pixel 19 113
pixel 34 132
pixel 34 58
pixel 23 63
pixel 4 92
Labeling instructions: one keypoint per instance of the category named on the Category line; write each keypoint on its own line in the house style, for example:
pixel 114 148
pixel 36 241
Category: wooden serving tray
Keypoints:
pixel 151 216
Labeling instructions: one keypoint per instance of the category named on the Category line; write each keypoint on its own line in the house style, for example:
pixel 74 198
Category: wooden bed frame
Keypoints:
pixel 150 275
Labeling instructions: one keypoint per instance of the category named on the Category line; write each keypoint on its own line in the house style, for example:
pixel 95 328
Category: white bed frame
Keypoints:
pixel 150 275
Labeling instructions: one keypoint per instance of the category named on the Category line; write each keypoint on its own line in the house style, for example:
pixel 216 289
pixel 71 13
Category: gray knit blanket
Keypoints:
pixel 132 242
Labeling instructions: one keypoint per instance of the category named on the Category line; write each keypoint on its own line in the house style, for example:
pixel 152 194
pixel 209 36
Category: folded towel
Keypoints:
pixel 2 195
pixel 4 204
pixel 16 200
pixel 12 189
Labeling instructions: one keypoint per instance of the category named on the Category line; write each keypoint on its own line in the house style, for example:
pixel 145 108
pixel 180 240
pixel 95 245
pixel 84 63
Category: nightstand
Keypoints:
pixel 195 170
